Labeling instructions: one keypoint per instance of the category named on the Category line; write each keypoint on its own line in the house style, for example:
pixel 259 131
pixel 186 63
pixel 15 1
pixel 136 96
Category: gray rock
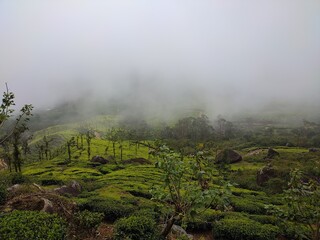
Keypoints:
pixel 179 231
pixel 73 189
pixel 265 173
pixel 47 206
pixel 314 150
pixel 228 156
pixel 14 188
pixel 99 159
pixel 272 153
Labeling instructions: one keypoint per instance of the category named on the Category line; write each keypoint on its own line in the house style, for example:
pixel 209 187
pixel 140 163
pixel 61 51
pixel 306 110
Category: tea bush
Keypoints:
pixel 22 225
pixel 87 219
pixel 3 194
pixel 243 228
pixel 247 205
pixel 111 209
pixel 136 228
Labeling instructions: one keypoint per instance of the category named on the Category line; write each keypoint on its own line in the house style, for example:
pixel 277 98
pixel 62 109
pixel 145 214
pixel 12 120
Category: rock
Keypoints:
pixel 228 156
pixel 272 153
pixel 99 159
pixel 314 150
pixel 14 188
pixel 288 144
pixel 265 173
pixel 45 202
pixel 73 189
pixel 47 206
pixel 179 231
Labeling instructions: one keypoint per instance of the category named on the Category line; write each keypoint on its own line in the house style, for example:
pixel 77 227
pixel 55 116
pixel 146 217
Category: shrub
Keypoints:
pixel 203 221
pixel 135 228
pixel 49 182
pixel 243 228
pixel 3 194
pixel 18 178
pixel 275 185
pixel 264 219
pixel 87 219
pixel 248 206
pixel 292 230
pixel 21 225
pixel 111 209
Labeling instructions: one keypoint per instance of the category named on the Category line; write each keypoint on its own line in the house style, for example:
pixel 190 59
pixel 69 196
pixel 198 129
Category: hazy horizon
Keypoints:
pixel 225 57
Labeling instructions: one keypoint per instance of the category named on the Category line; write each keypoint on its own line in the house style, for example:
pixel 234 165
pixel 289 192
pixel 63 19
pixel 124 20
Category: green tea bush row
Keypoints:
pixel 243 229
pixel 22 225
pixel 248 206
pixel 111 209
pixel 88 220
pixel 136 228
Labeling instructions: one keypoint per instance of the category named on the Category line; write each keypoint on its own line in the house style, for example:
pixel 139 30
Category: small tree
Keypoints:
pixel 89 135
pixel 13 133
pixel 113 137
pixel 187 196
pixel 302 203
pixel 70 144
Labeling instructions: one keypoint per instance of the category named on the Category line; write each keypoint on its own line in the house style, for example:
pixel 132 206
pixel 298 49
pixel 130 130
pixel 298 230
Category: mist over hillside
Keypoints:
pixel 163 58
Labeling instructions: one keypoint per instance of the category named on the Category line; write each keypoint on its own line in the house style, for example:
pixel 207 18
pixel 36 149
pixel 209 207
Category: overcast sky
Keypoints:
pixel 222 55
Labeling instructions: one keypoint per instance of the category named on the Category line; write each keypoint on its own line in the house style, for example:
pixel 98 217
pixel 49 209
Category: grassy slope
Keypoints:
pixel 131 183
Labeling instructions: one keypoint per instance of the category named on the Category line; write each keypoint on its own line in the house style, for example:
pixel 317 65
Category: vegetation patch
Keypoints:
pixel 21 225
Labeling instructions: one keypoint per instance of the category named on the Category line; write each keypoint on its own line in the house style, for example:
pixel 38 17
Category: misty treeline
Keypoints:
pixel 187 136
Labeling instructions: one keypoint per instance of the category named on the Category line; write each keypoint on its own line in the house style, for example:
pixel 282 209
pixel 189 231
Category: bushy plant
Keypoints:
pixel 135 228
pixel 243 228
pixel 22 225
pixel 18 178
pixel 111 209
pixel 264 219
pixel 3 194
pixel 248 206
pixel 88 220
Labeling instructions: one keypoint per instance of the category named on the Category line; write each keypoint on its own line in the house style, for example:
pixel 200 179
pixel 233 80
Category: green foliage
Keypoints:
pixel 245 179
pixel 22 225
pixel 247 205
pixel 111 209
pixel 3 194
pixel 264 219
pixel 87 219
pixel 302 203
pixel 18 178
pixel 243 228
pixel 135 228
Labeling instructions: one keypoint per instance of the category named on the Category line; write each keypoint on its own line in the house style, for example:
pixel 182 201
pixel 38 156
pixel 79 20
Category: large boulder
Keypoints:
pixel 41 201
pixel 265 173
pixel 180 232
pixel 99 159
pixel 314 150
pixel 73 189
pixel 228 156
pixel 272 153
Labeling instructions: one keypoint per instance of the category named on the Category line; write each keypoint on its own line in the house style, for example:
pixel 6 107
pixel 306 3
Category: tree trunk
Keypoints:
pixel 167 228
pixel 121 153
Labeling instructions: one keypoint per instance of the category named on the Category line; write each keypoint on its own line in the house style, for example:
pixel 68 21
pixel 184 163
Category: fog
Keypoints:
pixel 162 57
